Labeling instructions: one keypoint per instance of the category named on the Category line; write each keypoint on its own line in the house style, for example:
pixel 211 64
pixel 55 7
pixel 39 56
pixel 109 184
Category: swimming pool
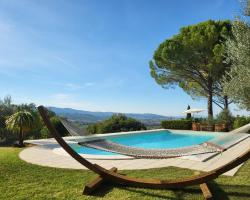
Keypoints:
pixel 163 139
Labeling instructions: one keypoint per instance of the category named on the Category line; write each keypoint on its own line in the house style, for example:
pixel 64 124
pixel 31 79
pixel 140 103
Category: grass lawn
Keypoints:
pixel 20 180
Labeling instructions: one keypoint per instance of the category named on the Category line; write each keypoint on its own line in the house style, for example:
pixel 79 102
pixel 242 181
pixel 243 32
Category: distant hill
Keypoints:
pixel 92 117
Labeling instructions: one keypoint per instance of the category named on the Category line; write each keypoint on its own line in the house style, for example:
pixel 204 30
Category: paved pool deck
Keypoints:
pixel 44 154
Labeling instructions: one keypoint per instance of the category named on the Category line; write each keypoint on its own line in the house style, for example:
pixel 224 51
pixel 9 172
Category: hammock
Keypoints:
pixel 72 128
pixel 107 145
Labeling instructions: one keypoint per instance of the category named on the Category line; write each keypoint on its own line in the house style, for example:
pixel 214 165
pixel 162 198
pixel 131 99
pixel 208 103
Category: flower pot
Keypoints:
pixel 195 126
pixel 207 127
pixel 220 127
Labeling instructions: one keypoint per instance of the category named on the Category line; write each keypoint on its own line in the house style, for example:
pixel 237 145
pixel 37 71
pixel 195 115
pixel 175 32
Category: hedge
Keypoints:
pixel 240 121
pixel 116 123
pixel 177 124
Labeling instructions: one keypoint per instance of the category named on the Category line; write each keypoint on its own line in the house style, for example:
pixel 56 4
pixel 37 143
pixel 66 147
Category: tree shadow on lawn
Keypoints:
pixel 104 189
pixel 220 192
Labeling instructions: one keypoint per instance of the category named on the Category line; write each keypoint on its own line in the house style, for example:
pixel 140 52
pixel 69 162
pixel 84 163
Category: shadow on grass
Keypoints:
pixel 220 192
pixel 154 195
pixel 179 194
pixel 103 189
pixel 225 191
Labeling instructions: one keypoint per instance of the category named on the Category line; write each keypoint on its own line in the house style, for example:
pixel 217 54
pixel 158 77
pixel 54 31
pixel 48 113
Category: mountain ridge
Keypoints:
pixel 95 116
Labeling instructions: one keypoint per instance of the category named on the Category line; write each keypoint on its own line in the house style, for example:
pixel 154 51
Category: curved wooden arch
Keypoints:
pixel 112 175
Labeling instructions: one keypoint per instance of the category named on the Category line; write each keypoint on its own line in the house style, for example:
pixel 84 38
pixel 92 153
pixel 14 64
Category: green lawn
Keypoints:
pixel 20 180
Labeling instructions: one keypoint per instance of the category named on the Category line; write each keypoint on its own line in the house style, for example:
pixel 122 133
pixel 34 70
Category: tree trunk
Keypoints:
pixel 21 137
pixel 210 105
pixel 226 102
pixel 210 99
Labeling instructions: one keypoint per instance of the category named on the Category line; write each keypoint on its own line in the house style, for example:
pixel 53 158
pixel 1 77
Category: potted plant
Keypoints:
pixel 207 125
pixel 220 127
pixel 196 125
pixel 224 121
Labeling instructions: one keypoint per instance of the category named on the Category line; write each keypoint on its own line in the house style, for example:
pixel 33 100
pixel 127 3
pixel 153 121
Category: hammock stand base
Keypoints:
pixel 99 181
pixel 91 187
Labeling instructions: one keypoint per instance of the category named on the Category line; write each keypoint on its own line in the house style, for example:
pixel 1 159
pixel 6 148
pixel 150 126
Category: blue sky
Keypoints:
pixel 94 54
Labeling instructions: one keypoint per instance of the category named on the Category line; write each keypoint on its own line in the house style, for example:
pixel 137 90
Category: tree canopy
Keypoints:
pixel 116 123
pixel 21 122
pixel 193 60
pixel 11 114
pixel 237 81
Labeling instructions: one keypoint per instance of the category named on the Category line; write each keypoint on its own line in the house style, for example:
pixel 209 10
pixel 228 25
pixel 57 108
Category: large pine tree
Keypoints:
pixel 193 59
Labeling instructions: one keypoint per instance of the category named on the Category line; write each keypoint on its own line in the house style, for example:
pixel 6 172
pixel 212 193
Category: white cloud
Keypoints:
pixel 88 84
pixel 65 62
pixel 60 96
pixel 112 83
pixel 74 86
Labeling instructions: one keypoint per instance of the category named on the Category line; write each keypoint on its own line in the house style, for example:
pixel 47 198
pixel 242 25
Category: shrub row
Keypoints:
pixel 240 121
pixel 177 124
pixel 116 123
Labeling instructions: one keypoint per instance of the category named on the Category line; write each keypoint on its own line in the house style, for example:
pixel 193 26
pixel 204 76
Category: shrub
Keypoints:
pixel 7 137
pixel 2 128
pixel 177 124
pixel 92 128
pixel 240 121
pixel 59 126
pixel 208 121
pixel 116 123
pixel 225 116
pixel 44 133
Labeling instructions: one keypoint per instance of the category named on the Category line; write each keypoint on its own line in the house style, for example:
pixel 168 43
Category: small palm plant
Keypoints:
pixel 20 122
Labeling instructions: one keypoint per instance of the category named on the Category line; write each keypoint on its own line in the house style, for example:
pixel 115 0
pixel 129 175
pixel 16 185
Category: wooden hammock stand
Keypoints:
pixel 112 176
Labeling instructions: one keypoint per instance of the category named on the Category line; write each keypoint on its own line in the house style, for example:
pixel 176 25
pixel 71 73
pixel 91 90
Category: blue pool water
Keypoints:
pixel 160 140
pixel 150 140
pixel 85 150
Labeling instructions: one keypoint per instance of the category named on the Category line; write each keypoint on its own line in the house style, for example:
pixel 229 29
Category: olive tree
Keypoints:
pixel 237 81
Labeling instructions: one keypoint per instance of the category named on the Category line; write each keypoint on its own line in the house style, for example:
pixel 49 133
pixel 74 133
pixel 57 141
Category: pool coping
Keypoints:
pixel 60 151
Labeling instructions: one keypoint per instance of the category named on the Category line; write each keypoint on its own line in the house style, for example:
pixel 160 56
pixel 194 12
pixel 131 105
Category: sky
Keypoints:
pixel 94 54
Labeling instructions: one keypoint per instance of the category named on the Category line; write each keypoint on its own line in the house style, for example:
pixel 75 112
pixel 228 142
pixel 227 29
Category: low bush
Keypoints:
pixel 240 121
pixel 44 133
pixel 225 116
pixel 177 124
pixel 59 126
pixel 116 123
